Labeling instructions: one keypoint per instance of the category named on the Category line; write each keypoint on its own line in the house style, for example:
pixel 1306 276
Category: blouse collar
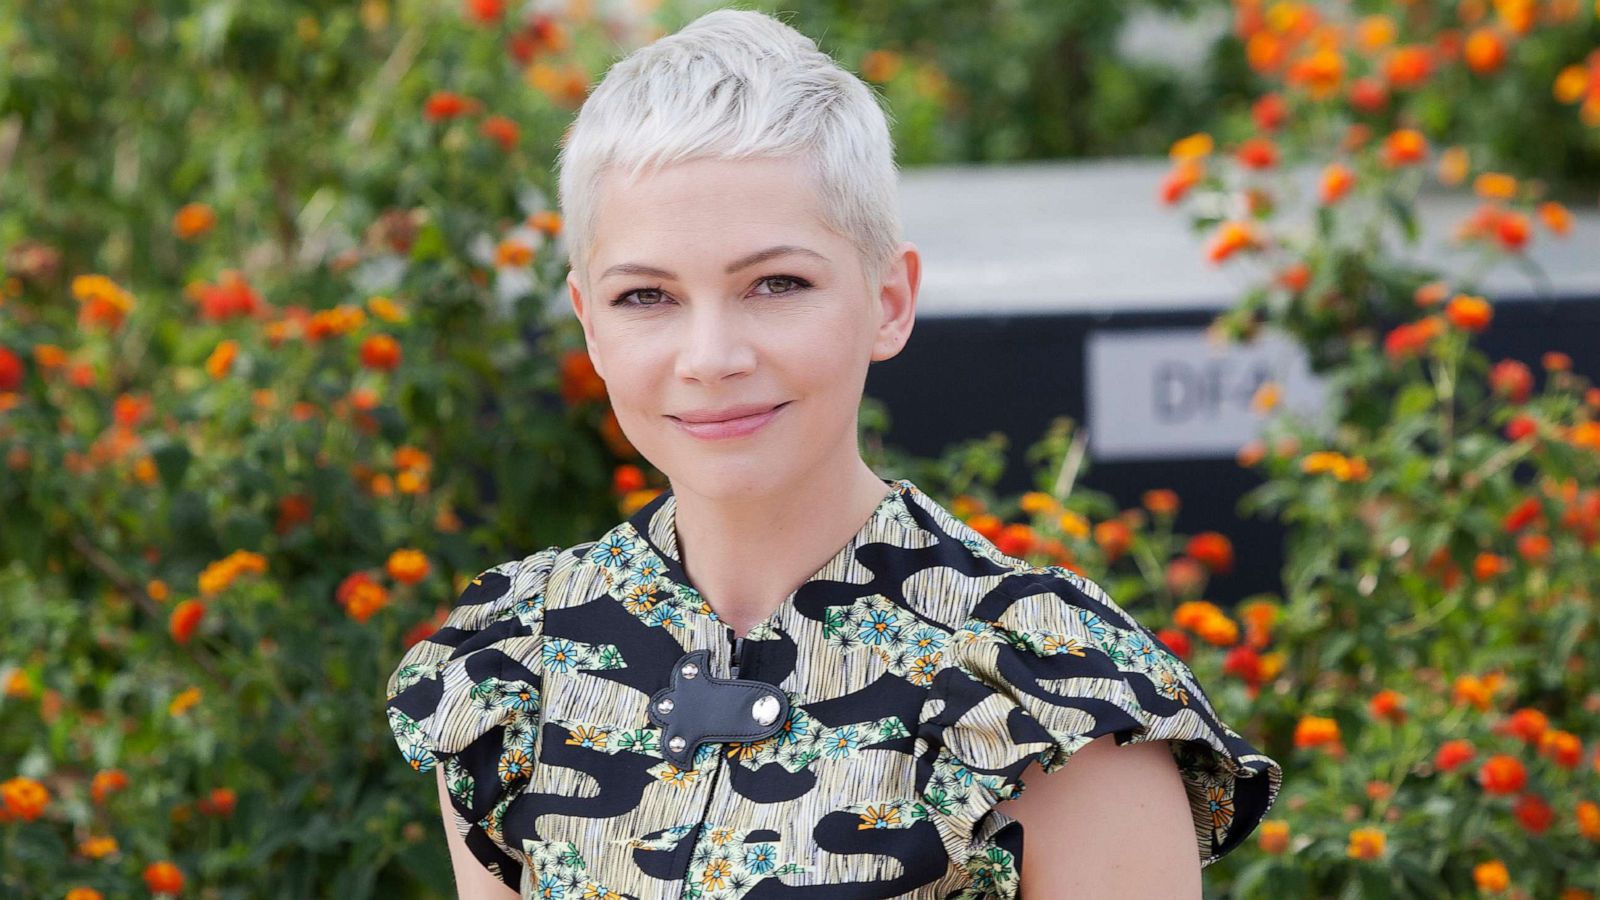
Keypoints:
pixel 644 570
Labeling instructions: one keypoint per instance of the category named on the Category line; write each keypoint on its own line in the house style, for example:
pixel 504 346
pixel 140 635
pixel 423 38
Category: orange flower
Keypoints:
pixel 1337 179
pixel 1454 754
pixel 1408 66
pixel 1114 537
pixel 1366 843
pixel 443 105
pixel 1185 175
pixel 1526 513
pixel 1556 217
pixel 627 477
pixel 98 847
pixel 1218 631
pixel 1015 539
pixel 1562 747
pixel 1232 236
pixel 1487 566
pixel 1485 51
pixel 163 878
pixel 1527 724
pixel 24 798
pixel 380 352
pixel 1244 663
pixel 485 12
pixel 220 362
pixel 1257 153
pixel 1512 230
pixel 1534 813
pixel 1191 613
pixel 1176 641
pixel 546 221
pixel 220 802
pixel 1213 550
pixel 880 66
pixel 1161 501
pixel 185 619
pixel 1320 73
pixel 105 782
pixel 1269 111
pixel 1195 146
pixel 364 599
pixel 1469 313
pixel 84 893
pixel 1453 166
pixel 1521 426
pixel 1502 774
pixel 580 383
pixel 1074 525
pixel 1315 731
pixel 1274 836
pixel 407 566
pixel 192 220
pixel 1469 689
pixel 1295 276
pixel 1534 548
pixel 1495 186
pixel 1387 705
pixel 1404 146
pixel 1511 379
pixel 1491 876
pixel 1411 338
pixel 502 131
pixel 1588 815
pixel 1554 361
pixel 1375 32
pixel 1368 95
pixel 184 701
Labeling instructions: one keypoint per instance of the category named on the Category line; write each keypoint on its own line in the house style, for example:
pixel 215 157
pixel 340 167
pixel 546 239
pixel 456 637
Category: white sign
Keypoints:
pixel 1172 394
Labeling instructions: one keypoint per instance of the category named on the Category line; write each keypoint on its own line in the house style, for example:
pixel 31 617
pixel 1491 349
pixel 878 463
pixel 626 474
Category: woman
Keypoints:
pixel 785 676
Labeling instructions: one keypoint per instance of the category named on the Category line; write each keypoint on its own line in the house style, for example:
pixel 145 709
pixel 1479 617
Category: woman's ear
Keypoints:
pixel 897 301
pixel 582 307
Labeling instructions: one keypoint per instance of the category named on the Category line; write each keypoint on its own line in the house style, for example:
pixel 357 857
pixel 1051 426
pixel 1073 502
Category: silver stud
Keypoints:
pixel 765 710
pixel 677 744
pixel 690 670
pixel 665 706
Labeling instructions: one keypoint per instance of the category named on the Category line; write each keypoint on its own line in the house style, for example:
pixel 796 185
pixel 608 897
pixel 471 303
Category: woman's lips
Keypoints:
pixel 730 428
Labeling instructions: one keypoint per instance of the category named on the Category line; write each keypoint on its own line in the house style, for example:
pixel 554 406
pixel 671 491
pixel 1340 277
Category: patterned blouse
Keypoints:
pixel 917 674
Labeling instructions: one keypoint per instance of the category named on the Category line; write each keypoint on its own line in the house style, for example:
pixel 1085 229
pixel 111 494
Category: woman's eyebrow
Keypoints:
pixel 746 262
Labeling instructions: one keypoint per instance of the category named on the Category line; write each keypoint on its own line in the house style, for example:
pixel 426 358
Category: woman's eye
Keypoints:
pixel 793 284
pixel 646 297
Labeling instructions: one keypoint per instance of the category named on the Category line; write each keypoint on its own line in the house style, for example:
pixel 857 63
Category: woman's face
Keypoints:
pixel 716 291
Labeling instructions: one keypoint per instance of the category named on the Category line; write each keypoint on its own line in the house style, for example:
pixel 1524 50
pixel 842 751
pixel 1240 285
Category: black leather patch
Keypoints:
pixel 707 708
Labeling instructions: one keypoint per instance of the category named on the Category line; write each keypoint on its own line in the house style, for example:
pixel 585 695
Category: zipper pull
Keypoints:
pixel 738 648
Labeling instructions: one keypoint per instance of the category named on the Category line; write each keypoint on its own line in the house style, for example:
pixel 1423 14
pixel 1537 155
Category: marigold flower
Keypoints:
pixel 1269 111
pixel 1404 147
pixel 1495 186
pixel 485 12
pixel 1469 313
pixel 1232 237
pixel 1485 51
pixel 1274 836
pixel 380 352
pixel 1257 153
pixel 1368 95
pixel 1521 426
pixel 105 782
pixel 1525 513
pixel 1219 631
pixel 1534 813
pixel 163 878
pixel 1469 689
pixel 1176 641
pixel 185 619
pixel 1527 724
pixel 1408 66
pixel 1555 217
pixel 1320 73
pixel 1453 166
pixel 1016 539
pixel 1564 748
pixel 1213 550
pixel 1195 146
pixel 1512 379
pixel 1295 276
pixel 1502 774
pixel 220 802
pixel 184 701
pixel 98 847
pixel 1366 843
pixel 580 383
pixel 192 220
pixel 1588 816
pixel 1374 32
pixel 84 893
pixel 1185 174
pixel 1411 338
pixel 443 105
pixel 1074 525
pixel 1244 663
pixel 1387 705
pixel 1114 537
pixel 1191 613
pixel 1491 876
pixel 24 798
pixel 1534 548
pixel 407 565
pixel 1454 754
pixel 1315 731
pixel 1337 179
pixel 546 221
pixel 1487 565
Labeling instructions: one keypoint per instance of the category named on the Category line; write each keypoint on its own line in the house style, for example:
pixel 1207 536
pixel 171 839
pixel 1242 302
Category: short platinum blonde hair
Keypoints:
pixel 734 84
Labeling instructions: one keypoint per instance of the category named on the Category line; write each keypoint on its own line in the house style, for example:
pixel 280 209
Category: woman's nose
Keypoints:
pixel 715 344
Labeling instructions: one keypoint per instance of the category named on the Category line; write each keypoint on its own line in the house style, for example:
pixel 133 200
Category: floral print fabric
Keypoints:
pixel 925 672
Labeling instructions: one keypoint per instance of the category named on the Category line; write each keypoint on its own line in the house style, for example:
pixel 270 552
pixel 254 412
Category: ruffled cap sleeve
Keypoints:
pixel 1049 663
pixel 464 698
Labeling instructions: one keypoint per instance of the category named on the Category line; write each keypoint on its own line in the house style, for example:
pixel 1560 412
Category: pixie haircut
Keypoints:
pixel 735 84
